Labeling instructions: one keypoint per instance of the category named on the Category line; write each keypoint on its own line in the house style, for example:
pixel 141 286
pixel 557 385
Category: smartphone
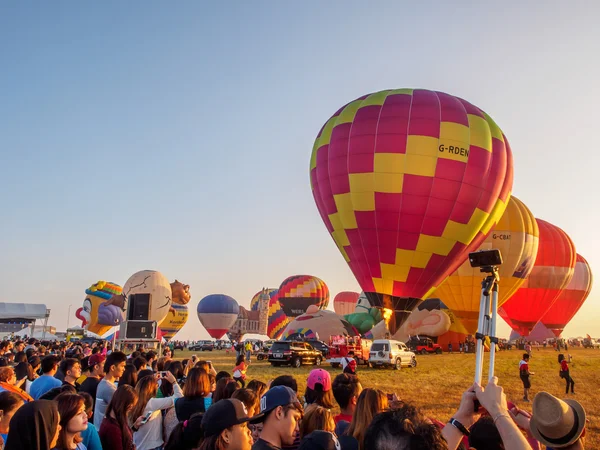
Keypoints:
pixel 163 374
pixel 147 417
pixel 390 397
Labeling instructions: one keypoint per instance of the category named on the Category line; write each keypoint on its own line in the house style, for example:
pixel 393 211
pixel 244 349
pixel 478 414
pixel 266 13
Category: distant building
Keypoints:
pixel 254 322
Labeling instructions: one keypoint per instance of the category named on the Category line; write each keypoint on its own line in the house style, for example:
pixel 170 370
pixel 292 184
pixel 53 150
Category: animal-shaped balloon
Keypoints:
pixel 364 321
pixel 98 314
pixel 180 293
pixel 153 283
pixel 319 323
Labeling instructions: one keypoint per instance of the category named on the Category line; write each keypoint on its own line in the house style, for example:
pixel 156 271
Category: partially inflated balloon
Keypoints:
pixel 276 320
pixel 408 182
pixel 345 302
pixel 571 299
pixel 175 320
pixel 218 312
pixel 254 302
pixel 517 237
pixel 298 292
pixel 157 286
pixel 552 272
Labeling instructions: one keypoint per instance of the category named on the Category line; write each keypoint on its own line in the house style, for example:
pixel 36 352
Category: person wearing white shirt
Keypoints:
pixel 150 434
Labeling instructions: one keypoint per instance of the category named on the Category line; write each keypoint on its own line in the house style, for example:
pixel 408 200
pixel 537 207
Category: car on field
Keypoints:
pixel 591 343
pixel 344 347
pixel 423 345
pixel 293 353
pixel 317 345
pixel 207 346
pixel 390 353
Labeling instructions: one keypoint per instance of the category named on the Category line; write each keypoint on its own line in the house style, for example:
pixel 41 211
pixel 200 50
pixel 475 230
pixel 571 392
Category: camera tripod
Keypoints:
pixel 486 326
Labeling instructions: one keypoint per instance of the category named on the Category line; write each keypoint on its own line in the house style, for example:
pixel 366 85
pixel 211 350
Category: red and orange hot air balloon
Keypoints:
pixel 298 292
pixel 408 182
pixel 551 273
pixel 571 299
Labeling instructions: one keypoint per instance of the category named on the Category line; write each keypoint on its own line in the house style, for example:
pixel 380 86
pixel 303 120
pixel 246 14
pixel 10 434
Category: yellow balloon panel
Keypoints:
pixel 517 237
pixel 175 320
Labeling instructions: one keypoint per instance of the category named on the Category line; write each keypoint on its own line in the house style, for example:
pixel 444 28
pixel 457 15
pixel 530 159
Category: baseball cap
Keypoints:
pixel 319 376
pixel 96 358
pixel 320 440
pixel 274 397
pixel 222 415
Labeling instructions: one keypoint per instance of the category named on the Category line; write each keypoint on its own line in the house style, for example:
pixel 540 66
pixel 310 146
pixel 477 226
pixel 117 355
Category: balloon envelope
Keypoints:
pixel 408 182
pixel 571 299
pixel 517 237
pixel 551 273
pixel 276 320
pixel 174 321
pixel 254 302
pixel 153 283
pixel 345 302
pixel 217 312
pixel 298 292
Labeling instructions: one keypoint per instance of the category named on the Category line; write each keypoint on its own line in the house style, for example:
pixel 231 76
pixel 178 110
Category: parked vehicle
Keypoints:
pixel 591 343
pixel 423 345
pixel 348 347
pixel 293 353
pixel 207 346
pixel 389 353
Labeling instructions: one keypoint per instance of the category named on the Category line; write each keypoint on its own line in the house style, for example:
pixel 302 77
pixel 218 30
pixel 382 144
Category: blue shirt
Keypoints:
pixel 90 437
pixel 42 385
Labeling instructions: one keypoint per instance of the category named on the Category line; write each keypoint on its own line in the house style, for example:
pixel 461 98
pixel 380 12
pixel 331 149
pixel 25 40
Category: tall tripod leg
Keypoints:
pixel 481 325
pixel 493 337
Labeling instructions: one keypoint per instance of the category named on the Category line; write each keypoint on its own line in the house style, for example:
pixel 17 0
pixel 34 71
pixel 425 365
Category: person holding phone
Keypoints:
pixel 150 433
pixel 9 382
pixel 115 432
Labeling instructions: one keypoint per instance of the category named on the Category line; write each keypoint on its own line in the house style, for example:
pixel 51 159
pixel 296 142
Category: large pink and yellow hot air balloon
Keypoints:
pixel 517 237
pixel 571 299
pixel 551 273
pixel 408 182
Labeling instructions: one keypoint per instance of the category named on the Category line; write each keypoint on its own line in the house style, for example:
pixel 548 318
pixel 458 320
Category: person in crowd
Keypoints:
pixel 248 348
pixel 150 434
pixel 115 432
pixel 95 372
pixel 130 376
pixel 9 404
pixel 89 436
pixel 35 426
pixel 225 427
pixel 239 371
pixel 524 374
pixel 71 368
pixel 346 389
pixel 36 363
pixel 23 370
pixel 316 418
pixel 484 435
pixel 285 380
pixel 222 374
pixel 178 371
pixel 114 366
pixel 195 395
pixel 349 365
pixel 140 363
pixel 145 373
pixel 85 370
pixel 207 365
pixel 187 435
pixel 280 414
pixel 73 420
pixel 318 389
pixel 46 381
pixel 9 383
pixel 151 358
pixel 225 387
pixel 257 386
pixel 370 403
pixel 564 374
pixel 321 440
pixel 250 400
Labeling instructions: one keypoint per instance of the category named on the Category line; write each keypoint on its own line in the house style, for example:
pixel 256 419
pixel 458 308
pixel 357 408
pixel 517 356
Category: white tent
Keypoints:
pixel 38 334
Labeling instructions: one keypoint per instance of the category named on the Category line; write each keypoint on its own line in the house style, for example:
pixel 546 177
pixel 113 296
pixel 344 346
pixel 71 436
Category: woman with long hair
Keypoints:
pixel 316 418
pixel 9 404
pixel 564 373
pixel 23 370
pixel 225 388
pixel 250 400
pixel 370 403
pixel 150 434
pixel 129 377
pixel 318 389
pixel 115 432
pixel 9 382
pixel 187 435
pixel 35 426
pixel 239 371
pixel 73 420
pixel 257 386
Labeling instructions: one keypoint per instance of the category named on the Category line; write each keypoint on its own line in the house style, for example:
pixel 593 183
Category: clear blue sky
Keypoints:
pixel 177 137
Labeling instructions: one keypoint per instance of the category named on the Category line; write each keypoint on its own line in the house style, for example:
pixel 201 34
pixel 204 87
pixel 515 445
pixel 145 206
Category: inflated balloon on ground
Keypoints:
pixel 408 182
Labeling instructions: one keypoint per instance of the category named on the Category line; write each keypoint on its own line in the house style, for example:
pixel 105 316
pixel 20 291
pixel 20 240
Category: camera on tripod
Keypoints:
pixel 485 258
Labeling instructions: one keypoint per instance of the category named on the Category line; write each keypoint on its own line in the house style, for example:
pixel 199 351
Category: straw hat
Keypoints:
pixel 556 423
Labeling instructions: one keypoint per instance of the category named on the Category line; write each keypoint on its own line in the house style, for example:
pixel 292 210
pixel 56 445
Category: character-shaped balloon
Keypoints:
pixel 153 283
pixel 174 321
pixel 98 315
pixel 181 293
pixel 318 323
pixel 430 319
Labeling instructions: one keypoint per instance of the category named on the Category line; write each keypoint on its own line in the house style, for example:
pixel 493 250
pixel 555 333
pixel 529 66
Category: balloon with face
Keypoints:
pixel 97 314
pixel 153 283
pixel 319 323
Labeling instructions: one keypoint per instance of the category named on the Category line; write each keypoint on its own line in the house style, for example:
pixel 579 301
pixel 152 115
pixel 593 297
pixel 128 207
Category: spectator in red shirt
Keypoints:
pixel 524 373
pixel 564 373
pixel 346 389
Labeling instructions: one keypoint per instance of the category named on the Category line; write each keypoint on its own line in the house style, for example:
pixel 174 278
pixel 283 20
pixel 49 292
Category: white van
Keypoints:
pixel 389 353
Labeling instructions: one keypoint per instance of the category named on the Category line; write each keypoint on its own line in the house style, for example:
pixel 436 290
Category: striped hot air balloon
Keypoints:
pixel 552 272
pixel 298 292
pixel 254 302
pixel 175 320
pixel 571 299
pixel 277 321
pixel 345 302
pixel 408 182
pixel 517 237
pixel 218 312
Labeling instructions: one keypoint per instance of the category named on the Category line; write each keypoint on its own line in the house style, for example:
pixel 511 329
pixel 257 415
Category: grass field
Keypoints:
pixel 437 383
